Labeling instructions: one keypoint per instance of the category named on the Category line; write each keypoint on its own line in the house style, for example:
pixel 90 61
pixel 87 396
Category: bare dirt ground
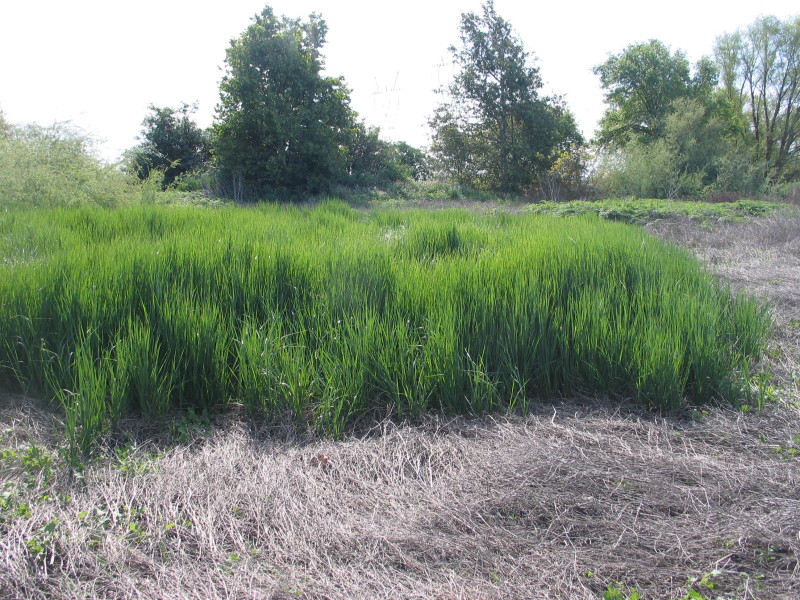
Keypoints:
pixel 579 495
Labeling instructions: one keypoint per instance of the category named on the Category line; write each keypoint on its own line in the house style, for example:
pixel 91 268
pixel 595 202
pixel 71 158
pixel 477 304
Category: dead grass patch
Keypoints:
pixel 551 506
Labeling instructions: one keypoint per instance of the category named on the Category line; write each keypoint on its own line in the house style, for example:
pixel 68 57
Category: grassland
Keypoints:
pixel 324 316
pixel 584 494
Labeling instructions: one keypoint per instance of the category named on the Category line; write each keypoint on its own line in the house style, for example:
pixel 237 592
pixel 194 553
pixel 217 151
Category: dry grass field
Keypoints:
pixel 580 495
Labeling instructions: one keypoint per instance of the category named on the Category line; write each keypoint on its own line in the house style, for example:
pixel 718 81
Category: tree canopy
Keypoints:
pixel 281 126
pixel 495 132
pixel 641 84
pixel 669 132
pixel 171 143
pixel 284 128
pixel 760 67
pixel 5 126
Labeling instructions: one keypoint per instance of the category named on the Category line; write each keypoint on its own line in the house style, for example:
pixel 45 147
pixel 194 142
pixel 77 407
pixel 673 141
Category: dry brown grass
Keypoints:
pixel 497 508
pixel 509 508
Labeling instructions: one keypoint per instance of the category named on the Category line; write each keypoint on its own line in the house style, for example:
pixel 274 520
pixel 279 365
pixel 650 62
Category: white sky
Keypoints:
pixel 100 63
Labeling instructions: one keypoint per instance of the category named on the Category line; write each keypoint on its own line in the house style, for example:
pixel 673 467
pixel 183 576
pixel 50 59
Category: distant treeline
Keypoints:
pixel 727 126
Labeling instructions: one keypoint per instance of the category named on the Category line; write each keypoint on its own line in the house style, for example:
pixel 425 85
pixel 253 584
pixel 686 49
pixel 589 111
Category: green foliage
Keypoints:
pixel 55 166
pixel 414 164
pixel 693 156
pixel 568 176
pixel 377 163
pixel 41 546
pixel 668 134
pixel 323 315
pixel 647 171
pixel 616 592
pixel 282 128
pixel 644 211
pixel 641 84
pixel 496 133
pixel 189 425
pixel 36 464
pixel 83 388
pixel 705 582
pixel 760 69
pixel 401 192
pixel 172 144
pixel 5 127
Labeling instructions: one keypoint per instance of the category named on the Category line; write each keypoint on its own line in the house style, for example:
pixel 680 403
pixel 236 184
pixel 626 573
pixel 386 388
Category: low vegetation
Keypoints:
pixel 640 212
pixel 324 315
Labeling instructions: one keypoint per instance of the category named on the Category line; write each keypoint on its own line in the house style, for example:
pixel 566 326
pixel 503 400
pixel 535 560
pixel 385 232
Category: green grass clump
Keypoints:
pixel 323 315
pixel 637 211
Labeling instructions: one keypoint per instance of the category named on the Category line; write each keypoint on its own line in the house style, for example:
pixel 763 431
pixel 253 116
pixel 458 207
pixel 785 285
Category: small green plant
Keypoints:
pixel 127 460
pixel 619 592
pixel 36 464
pixel 10 506
pixel 189 425
pixel 705 581
pixel 41 544
pixel 698 414
pixel 757 389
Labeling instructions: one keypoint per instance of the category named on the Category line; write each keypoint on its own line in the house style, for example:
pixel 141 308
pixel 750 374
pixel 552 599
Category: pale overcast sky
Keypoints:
pixel 100 63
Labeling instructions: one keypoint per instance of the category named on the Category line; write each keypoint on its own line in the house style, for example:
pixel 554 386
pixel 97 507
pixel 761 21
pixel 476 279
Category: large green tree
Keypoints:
pixel 692 156
pixel 172 143
pixel 760 71
pixel 669 130
pixel 282 128
pixel 641 83
pixel 495 132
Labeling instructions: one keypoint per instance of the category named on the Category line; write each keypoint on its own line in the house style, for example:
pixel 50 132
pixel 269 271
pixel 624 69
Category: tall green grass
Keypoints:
pixel 324 315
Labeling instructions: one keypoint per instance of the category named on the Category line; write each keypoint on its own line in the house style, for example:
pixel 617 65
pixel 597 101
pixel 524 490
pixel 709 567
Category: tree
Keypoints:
pixel 568 177
pixel 413 162
pixel 495 132
pixel 641 84
pixel 695 155
pixel 667 131
pixel 375 162
pixel 56 165
pixel 760 69
pixel 171 143
pixel 281 127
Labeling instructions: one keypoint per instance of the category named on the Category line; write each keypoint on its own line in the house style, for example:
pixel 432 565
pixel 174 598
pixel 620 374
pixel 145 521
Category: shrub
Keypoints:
pixel 55 166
